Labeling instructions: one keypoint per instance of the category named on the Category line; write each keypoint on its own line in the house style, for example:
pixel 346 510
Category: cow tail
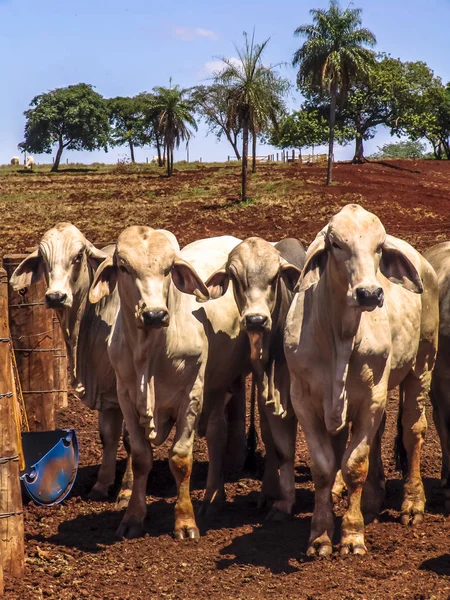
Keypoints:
pixel 250 460
pixel 401 458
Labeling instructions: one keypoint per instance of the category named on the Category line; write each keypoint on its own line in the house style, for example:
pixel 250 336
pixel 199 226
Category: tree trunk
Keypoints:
pixel 437 151
pixel 158 150
pixel 169 171
pixel 233 144
pixel 332 122
pixel 446 146
pixel 58 156
pixel 131 151
pixel 253 152
pixel 244 159
pixel 359 149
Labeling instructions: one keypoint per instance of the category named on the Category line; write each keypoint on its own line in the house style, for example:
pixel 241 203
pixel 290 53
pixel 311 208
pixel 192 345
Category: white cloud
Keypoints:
pixel 215 66
pixel 187 34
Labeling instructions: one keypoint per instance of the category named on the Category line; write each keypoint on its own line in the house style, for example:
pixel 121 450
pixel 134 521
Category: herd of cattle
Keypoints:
pixel 160 336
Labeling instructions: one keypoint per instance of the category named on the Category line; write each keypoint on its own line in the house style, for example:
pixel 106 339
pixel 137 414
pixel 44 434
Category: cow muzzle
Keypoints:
pixel 155 319
pixel 255 322
pixel 55 299
pixel 370 298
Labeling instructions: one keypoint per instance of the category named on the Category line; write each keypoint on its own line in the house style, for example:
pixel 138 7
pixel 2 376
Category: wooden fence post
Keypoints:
pixel 11 512
pixel 60 365
pixel 40 351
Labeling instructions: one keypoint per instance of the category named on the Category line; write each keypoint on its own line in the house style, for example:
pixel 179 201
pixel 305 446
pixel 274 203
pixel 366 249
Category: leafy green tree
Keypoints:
pixel 128 125
pixel 300 129
pixel 151 122
pixel 428 115
pixel 256 95
pixel 74 117
pixel 174 112
pixel 212 103
pixel 405 149
pixel 382 97
pixel 332 56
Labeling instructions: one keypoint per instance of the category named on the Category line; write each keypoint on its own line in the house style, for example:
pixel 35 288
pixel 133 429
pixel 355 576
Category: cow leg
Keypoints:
pixel 216 438
pixel 375 487
pixel 270 489
pixel 127 480
pixel 440 399
pixel 180 461
pixel 414 424
pixel 323 469
pixel 355 466
pixel 131 525
pixel 283 434
pixel 110 426
pixel 339 442
pixel 236 442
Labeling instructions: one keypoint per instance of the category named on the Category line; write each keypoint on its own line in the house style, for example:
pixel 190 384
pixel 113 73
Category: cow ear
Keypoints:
pixel 290 274
pixel 105 280
pixel 217 283
pixel 30 270
pixel 95 256
pixel 316 260
pixel 188 281
pixel 398 268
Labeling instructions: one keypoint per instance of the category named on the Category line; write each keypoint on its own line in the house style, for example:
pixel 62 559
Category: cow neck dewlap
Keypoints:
pixel 344 324
pixel 145 364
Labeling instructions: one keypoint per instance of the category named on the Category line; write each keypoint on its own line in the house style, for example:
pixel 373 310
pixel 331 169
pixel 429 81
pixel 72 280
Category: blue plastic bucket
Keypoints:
pixel 51 464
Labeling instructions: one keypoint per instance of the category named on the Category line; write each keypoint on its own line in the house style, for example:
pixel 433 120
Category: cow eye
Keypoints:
pixel 78 258
pixel 336 245
pixel 124 269
pixel 379 249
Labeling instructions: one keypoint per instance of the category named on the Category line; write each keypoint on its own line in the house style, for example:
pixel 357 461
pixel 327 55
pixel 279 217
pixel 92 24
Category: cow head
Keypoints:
pixel 62 257
pixel 354 248
pixel 255 268
pixel 145 262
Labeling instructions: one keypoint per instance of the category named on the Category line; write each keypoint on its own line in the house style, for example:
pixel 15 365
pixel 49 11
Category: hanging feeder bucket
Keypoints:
pixel 51 464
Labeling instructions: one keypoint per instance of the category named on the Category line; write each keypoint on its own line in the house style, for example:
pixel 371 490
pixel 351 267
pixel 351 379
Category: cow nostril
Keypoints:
pixel 255 321
pixel 362 293
pixel 155 318
pixel 366 297
pixel 55 299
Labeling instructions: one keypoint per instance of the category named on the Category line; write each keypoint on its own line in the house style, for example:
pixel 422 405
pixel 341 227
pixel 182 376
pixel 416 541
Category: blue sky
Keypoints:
pixel 123 48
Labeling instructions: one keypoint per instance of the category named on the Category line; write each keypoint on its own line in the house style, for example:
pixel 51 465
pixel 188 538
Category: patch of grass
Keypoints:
pixel 245 203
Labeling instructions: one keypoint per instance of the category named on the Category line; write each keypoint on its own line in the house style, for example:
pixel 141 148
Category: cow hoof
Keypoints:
pixel 412 519
pixel 190 532
pixel 356 549
pixel 447 507
pixel 370 518
pixel 122 501
pixel 209 510
pixel 277 515
pixel 264 501
pixel 98 495
pixel 130 529
pixel 321 550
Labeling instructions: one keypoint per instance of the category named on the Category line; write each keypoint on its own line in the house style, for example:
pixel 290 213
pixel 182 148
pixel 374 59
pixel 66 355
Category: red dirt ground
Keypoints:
pixel 71 552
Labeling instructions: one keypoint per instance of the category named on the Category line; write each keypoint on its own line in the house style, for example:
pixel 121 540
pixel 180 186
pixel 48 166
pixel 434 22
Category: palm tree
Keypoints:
pixel 332 55
pixel 175 116
pixel 256 93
